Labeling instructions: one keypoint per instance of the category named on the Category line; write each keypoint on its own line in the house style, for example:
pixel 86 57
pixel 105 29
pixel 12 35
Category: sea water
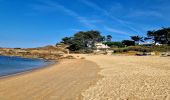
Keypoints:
pixel 14 65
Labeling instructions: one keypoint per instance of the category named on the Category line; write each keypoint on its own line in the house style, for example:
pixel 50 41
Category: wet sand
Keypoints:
pixel 63 81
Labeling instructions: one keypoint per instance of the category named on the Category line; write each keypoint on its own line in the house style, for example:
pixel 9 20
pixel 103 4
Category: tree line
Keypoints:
pixel 86 39
pixel 160 36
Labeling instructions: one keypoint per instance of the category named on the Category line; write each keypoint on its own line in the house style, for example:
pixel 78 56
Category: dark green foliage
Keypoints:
pixel 103 38
pixel 136 38
pixel 67 40
pixel 142 49
pixel 128 43
pixel 160 36
pixel 76 44
pixel 109 38
pixel 132 48
pixel 83 40
pixel 114 44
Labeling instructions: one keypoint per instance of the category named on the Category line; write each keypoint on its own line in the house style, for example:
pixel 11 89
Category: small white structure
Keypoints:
pixel 101 46
pixel 102 49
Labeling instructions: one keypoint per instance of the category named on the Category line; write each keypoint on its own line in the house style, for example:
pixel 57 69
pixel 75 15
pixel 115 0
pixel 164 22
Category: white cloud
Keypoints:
pixel 86 22
pixel 140 13
pixel 106 13
pixel 90 23
pixel 117 31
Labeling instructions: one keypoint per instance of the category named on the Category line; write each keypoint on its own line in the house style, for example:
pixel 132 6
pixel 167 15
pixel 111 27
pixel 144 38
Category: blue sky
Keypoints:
pixel 34 23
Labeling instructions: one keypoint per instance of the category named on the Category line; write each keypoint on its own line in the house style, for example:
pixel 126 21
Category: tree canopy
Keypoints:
pixel 128 42
pixel 136 38
pixel 83 40
pixel 114 44
pixel 160 36
pixel 86 39
pixel 109 38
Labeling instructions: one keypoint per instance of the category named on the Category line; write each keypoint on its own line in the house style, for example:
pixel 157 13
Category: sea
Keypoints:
pixel 14 65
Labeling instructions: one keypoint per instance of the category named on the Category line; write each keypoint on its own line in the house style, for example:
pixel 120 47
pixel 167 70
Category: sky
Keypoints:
pixel 36 23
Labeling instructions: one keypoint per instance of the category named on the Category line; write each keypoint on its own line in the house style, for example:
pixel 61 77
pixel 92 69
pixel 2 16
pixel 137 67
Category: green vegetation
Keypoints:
pixel 84 41
pixel 128 43
pixel 137 39
pixel 114 44
pixel 142 49
pixel 160 36
pixel 109 38
pixel 132 48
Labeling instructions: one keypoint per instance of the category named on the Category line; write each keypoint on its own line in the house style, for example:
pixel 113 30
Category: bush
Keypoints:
pixel 128 43
pixel 132 48
pixel 163 48
pixel 114 44
pixel 139 48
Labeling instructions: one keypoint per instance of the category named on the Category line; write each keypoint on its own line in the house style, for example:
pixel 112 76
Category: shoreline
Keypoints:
pixel 28 71
pixel 66 79
pixel 52 62
pixel 95 77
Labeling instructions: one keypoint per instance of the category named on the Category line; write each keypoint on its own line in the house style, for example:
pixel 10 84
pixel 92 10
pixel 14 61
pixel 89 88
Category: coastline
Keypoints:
pixel 29 71
pixel 51 63
pixel 66 79
pixel 96 77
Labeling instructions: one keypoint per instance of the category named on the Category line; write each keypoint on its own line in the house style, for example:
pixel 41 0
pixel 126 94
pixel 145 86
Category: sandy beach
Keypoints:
pixel 63 81
pixel 98 77
pixel 131 78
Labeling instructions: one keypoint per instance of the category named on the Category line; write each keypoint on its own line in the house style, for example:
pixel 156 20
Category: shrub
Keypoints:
pixel 114 44
pixel 132 48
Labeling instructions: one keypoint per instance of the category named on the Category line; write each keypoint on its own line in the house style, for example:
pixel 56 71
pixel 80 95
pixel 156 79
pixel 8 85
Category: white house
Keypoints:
pixel 100 45
pixel 102 49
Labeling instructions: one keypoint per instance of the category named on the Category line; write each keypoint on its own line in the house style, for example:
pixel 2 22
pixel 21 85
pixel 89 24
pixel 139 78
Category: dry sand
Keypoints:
pixel 131 78
pixel 63 81
pixel 124 78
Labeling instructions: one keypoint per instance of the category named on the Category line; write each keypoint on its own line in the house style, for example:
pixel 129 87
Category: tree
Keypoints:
pixel 167 35
pixel 102 39
pixel 88 38
pixel 147 38
pixel 67 40
pixel 83 40
pixel 109 38
pixel 114 44
pixel 136 39
pixel 128 43
pixel 160 36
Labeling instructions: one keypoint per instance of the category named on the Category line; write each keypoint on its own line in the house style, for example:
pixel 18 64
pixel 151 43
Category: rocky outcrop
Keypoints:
pixel 47 52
